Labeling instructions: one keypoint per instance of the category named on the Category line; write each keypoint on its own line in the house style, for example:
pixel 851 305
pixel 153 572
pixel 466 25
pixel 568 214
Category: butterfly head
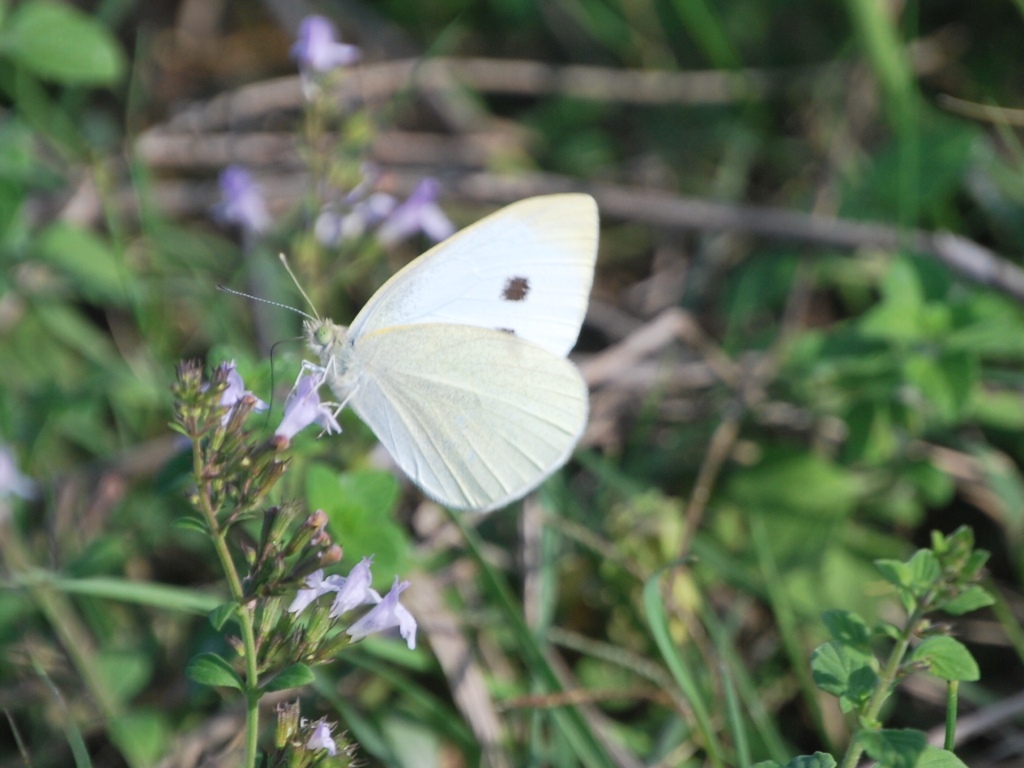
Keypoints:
pixel 326 339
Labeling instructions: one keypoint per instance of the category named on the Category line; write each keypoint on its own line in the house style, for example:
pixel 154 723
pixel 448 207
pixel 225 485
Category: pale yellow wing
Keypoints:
pixel 476 418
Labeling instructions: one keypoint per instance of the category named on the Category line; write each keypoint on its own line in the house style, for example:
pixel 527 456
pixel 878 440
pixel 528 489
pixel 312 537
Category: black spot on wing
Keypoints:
pixel 509 331
pixel 515 289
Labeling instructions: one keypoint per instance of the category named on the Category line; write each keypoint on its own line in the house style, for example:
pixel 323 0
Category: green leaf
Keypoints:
pixel 210 669
pixel 971 599
pixel 894 748
pixel 999 409
pixel 849 629
pixel 888 629
pixel 60 43
pixel 222 614
pixel 936 486
pixel 295 676
pixel 925 571
pixel 945 382
pixel 895 572
pixel 126 672
pixel 873 438
pixel 89 260
pixel 898 317
pixel 143 733
pixel 188 523
pixel 933 757
pixel 71 328
pixel 804 482
pixel 947 658
pixel 817 760
pixel 844 672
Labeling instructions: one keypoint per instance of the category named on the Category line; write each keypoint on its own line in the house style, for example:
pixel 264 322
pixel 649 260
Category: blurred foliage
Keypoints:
pixel 891 402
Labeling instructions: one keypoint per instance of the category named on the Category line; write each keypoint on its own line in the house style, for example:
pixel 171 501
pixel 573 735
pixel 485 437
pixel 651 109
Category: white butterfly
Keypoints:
pixel 458 363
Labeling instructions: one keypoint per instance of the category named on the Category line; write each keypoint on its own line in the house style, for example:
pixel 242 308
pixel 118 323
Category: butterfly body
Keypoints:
pixel 458 363
pixel 333 346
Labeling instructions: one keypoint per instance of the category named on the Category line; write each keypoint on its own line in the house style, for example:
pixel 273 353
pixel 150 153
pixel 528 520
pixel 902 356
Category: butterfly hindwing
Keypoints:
pixel 475 418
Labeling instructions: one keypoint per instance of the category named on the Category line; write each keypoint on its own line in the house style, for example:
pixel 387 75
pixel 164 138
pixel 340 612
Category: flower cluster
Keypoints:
pixel 278 634
pixel 241 202
pixel 302 742
pixel 392 220
pixel 358 212
pixel 318 49
pixel 353 591
pixel 319 53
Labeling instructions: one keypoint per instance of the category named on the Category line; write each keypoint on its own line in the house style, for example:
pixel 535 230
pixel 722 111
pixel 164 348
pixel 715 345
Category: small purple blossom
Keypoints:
pixel 321 738
pixel 234 392
pixel 303 407
pixel 387 614
pixel 318 48
pixel 355 590
pixel 241 201
pixel 352 591
pixel 332 227
pixel 11 480
pixel 316 585
pixel 419 213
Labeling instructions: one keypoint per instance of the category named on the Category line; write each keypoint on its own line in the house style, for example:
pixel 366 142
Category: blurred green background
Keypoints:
pixel 805 348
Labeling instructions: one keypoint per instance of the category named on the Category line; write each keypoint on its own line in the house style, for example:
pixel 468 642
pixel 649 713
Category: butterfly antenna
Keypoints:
pixel 288 269
pixel 267 301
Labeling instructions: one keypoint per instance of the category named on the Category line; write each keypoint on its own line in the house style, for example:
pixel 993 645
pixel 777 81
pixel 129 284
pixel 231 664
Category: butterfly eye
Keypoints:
pixel 322 335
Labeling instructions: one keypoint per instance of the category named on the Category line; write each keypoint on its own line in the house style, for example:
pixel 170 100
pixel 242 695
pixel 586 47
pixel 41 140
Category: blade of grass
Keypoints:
pixel 76 743
pixel 735 719
pixel 749 695
pixel 707 33
pixel 155 595
pixel 684 677
pixel 432 709
pixel 785 615
pixel 571 723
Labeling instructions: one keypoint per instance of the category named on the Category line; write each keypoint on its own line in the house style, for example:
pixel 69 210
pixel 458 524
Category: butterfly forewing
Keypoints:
pixel 476 419
pixel 526 270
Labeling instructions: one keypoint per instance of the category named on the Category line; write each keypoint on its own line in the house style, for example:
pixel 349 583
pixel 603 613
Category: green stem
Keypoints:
pixel 887 679
pixel 952 692
pixel 219 538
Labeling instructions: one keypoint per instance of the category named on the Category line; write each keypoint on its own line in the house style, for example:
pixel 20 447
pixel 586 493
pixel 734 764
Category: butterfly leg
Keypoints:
pixel 322 373
pixel 309 368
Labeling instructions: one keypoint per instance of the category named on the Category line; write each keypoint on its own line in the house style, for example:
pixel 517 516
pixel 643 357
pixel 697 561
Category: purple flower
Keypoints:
pixel 315 586
pixel 241 201
pixel 352 591
pixel 303 407
pixel 420 213
pixel 355 590
pixel 321 738
pixel 235 391
pixel 332 227
pixel 11 480
pixel 318 49
pixel 387 614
